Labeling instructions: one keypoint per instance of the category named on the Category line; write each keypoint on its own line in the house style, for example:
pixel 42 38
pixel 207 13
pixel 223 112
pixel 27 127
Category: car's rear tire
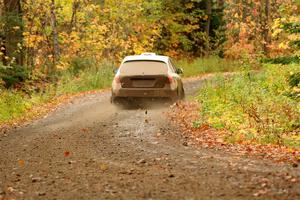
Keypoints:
pixel 121 102
pixel 179 96
pixel 182 94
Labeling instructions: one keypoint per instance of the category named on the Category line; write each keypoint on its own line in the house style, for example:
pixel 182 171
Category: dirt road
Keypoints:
pixel 91 150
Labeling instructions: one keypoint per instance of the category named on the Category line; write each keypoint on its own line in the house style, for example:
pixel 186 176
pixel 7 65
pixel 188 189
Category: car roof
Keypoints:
pixel 147 56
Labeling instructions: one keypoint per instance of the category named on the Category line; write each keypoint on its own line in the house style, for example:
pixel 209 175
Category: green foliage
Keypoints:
pixel 11 105
pixel 93 77
pixel 183 28
pixel 284 60
pixel 14 104
pixel 252 106
pixel 294 79
pixel 12 75
pixel 210 64
pixel 291 27
pixel 80 64
pixel 294 82
pixel 295 43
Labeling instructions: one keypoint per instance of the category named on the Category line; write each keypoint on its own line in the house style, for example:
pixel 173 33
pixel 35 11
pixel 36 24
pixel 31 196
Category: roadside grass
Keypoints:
pixel 91 78
pixel 253 107
pixel 205 65
pixel 13 103
pixel 16 103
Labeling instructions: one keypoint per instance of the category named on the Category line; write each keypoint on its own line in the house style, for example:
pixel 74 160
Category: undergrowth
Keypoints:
pixel 90 78
pixel 210 64
pixel 254 107
pixel 84 76
pixel 14 104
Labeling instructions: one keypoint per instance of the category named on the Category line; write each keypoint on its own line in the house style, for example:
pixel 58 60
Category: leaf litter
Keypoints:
pixel 185 114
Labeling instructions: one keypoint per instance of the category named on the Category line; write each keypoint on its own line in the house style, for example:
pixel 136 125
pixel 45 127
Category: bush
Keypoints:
pixel 90 78
pixel 80 64
pixel 284 60
pixel 12 75
pixel 294 82
pixel 14 104
pixel 11 104
pixel 294 79
pixel 252 107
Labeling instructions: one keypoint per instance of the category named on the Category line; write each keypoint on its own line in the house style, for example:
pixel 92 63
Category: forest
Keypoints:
pixel 51 48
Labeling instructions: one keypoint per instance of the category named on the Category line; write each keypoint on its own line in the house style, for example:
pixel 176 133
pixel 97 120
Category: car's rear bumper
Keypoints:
pixel 144 92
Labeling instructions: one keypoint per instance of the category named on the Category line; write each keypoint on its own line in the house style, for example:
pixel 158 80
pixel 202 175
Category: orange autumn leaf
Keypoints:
pixel 21 163
pixel 85 130
pixel 67 153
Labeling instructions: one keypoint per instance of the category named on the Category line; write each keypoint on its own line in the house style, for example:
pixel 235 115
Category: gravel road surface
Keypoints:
pixel 90 149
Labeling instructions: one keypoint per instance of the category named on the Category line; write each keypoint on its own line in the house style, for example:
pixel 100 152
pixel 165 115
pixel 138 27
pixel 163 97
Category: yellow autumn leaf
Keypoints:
pixel 189 5
pixel 283 45
pixel 103 167
pixel 276 32
pixel 290 150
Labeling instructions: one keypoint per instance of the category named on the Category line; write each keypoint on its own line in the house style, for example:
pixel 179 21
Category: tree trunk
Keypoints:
pixel 208 13
pixel 221 4
pixel 55 51
pixel 12 38
pixel 102 3
pixel 75 7
pixel 207 26
pixel 266 27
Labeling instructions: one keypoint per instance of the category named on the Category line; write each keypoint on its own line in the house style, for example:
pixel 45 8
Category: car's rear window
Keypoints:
pixel 143 67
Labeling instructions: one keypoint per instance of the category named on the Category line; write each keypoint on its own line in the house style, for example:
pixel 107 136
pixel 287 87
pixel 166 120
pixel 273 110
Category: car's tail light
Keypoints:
pixel 117 79
pixel 171 79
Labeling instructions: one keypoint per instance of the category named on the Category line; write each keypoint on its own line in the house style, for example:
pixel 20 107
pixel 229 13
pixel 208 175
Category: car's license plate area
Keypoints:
pixel 143 83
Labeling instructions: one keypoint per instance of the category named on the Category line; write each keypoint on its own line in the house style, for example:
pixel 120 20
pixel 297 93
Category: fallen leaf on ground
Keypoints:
pixel 67 153
pixel 260 192
pixel 21 163
pixel 103 167
pixel 85 130
pixel 10 189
